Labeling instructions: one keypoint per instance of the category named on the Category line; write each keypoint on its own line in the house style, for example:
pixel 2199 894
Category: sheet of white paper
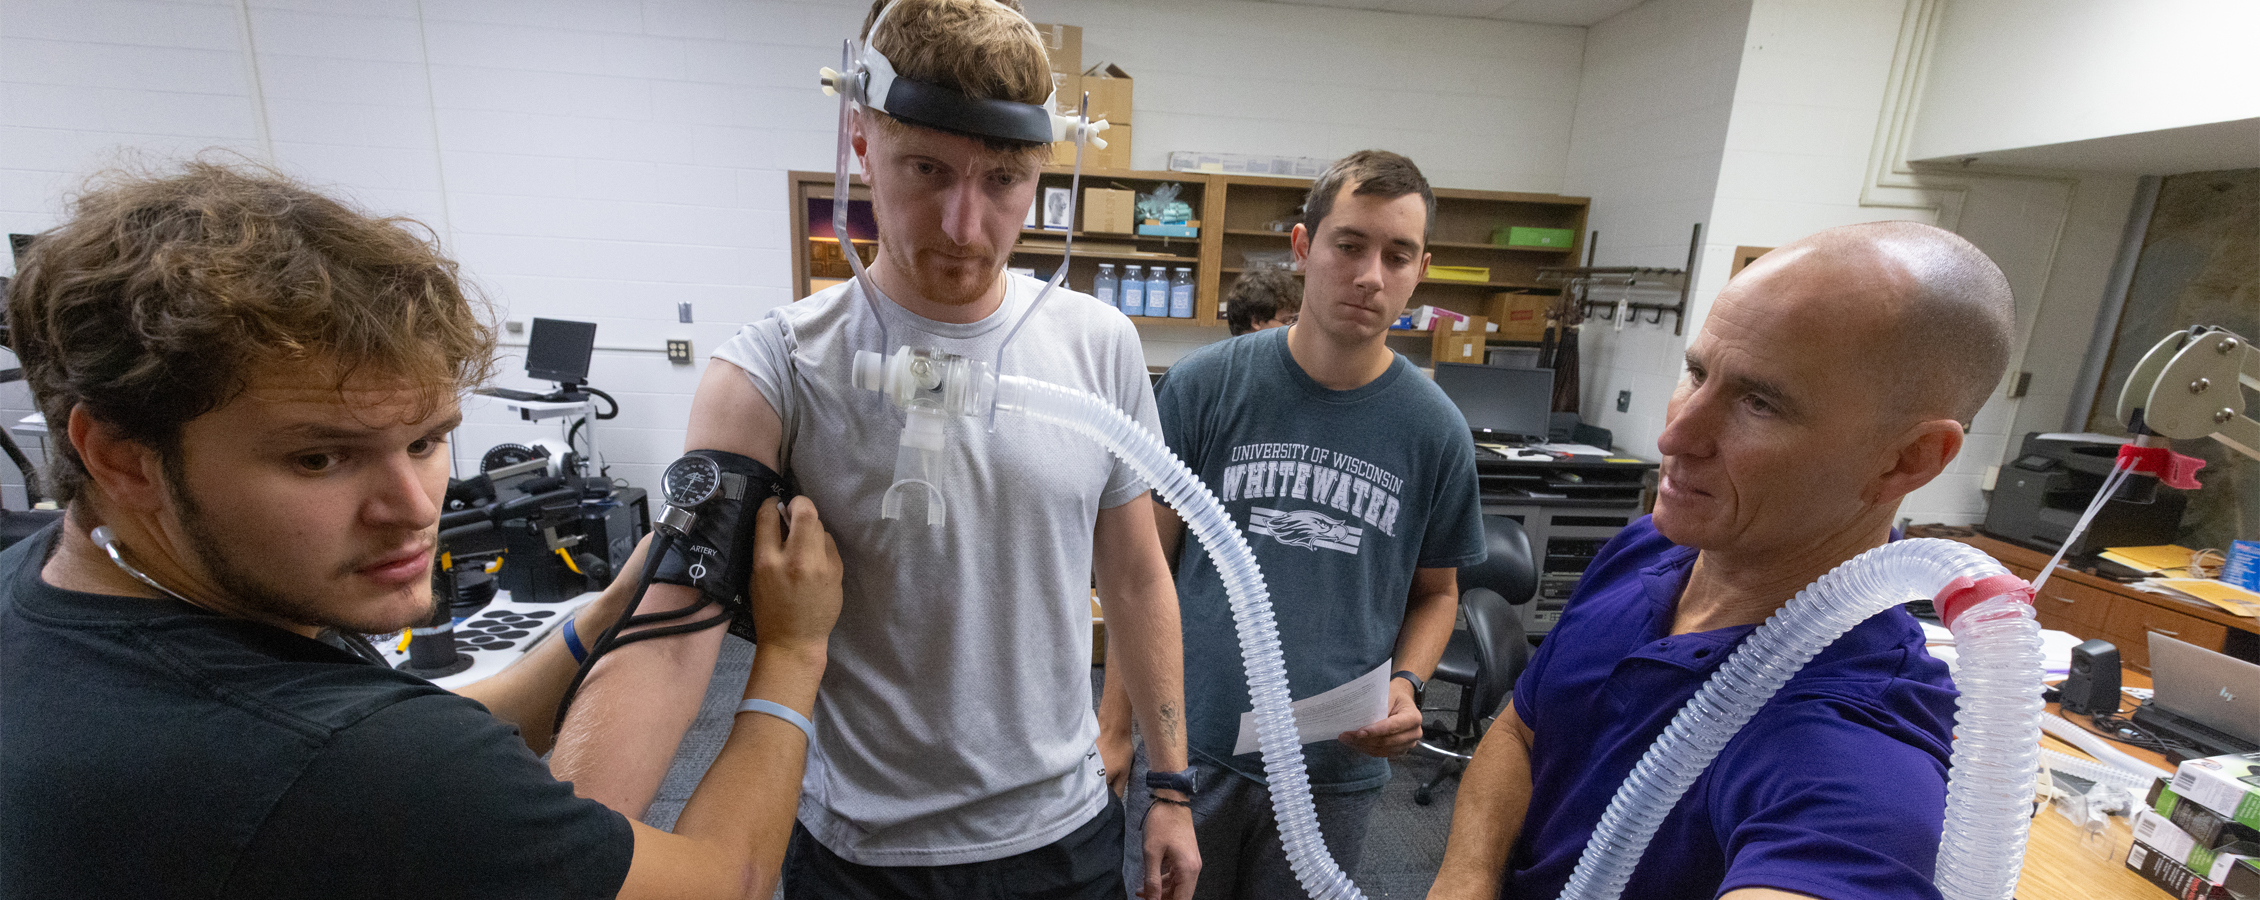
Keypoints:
pixel 1362 701
pixel 1576 449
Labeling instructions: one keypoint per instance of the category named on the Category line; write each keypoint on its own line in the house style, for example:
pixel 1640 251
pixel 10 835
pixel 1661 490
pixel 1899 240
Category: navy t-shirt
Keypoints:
pixel 1837 788
pixel 153 749
pixel 1341 495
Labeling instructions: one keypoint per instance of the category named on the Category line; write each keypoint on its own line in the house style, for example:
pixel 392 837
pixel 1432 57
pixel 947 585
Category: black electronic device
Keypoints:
pixel 2041 495
pixel 1500 402
pixel 2093 686
pixel 558 350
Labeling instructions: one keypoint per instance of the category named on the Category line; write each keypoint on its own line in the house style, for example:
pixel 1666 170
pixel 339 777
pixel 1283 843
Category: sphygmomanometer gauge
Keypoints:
pixel 690 481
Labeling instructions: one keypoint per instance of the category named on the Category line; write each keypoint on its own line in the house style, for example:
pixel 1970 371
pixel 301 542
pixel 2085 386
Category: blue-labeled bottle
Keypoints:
pixel 1105 285
pixel 1157 292
pixel 1133 290
pixel 1181 293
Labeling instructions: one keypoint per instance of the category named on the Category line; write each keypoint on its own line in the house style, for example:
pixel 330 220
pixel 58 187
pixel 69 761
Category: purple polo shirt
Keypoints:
pixel 1836 789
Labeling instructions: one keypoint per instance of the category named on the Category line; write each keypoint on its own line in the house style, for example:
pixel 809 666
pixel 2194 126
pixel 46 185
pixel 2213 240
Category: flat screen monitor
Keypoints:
pixel 559 350
pixel 1500 401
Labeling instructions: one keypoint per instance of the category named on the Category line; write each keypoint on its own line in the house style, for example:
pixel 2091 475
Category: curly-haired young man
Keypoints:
pixel 253 386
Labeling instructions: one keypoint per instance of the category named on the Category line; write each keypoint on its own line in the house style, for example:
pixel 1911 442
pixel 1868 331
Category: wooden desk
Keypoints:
pixel 2059 864
pixel 2091 607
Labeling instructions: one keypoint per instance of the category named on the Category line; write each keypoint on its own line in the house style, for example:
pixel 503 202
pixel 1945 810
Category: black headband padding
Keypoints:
pixel 934 106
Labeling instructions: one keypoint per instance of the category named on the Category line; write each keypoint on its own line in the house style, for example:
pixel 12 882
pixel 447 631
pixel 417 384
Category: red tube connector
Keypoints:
pixel 2173 469
pixel 1962 593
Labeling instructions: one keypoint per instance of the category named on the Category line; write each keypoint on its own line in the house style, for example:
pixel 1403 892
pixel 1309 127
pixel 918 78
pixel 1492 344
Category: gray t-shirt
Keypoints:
pixel 954 722
pixel 1341 495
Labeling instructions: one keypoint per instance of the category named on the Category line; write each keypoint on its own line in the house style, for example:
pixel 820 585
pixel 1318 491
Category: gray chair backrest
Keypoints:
pixel 1507 568
pixel 1501 649
pixel 1507 576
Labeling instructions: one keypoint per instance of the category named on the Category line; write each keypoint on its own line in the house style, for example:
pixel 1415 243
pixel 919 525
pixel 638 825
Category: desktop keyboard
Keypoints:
pixel 2211 741
pixel 508 394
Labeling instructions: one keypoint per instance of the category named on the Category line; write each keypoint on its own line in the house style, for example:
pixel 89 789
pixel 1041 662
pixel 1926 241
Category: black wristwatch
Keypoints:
pixel 1420 688
pixel 1181 782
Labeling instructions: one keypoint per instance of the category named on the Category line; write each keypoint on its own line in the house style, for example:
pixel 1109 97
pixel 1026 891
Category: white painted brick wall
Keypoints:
pixel 605 160
pixel 1652 115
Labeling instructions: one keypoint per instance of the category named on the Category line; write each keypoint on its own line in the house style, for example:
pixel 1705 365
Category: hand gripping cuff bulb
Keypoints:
pixel 704 540
pixel 866 79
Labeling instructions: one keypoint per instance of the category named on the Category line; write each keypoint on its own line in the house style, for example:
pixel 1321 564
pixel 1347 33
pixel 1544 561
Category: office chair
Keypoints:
pixel 1485 659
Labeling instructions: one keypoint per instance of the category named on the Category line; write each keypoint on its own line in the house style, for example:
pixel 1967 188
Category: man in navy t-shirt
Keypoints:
pixel 1831 378
pixel 1353 477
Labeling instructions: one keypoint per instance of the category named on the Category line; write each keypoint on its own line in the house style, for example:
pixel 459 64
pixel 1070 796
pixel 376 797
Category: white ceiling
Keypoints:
pixel 2171 151
pixel 1542 12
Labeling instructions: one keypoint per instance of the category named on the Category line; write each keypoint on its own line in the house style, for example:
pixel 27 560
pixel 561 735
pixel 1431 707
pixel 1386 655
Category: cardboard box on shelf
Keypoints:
pixel 1246 164
pixel 1067 90
pixel 1521 317
pixel 1109 88
pixel 1115 155
pixel 1519 236
pixel 1110 211
pixel 1461 343
pixel 1458 273
pixel 1063 45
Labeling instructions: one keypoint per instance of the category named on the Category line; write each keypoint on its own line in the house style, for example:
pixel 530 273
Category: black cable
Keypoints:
pixel 2127 731
pixel 32 492
pixel 615 413
pixel 612 640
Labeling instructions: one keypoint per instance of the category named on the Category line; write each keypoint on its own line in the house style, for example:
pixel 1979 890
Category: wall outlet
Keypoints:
pixel 679 352
pixel 514 326
pixel 1624 401
pixel 683 312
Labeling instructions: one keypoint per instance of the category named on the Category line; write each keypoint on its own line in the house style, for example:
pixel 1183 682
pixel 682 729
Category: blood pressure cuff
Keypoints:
pixel 717 556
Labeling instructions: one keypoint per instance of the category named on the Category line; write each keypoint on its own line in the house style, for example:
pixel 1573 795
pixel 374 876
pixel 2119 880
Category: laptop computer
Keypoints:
pixel 2208 700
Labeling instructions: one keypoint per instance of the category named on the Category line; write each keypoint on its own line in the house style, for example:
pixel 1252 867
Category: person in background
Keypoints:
pixel 252 387
pixel 1353 477
pixel 1263 298
pixel 955 743
pixel 1831 378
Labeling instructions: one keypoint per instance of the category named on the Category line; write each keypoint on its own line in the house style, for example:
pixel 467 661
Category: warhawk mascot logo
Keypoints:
pixel 1305 528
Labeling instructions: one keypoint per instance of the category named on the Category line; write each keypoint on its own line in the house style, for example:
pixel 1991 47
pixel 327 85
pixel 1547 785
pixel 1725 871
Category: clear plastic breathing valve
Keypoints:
pixel 931 388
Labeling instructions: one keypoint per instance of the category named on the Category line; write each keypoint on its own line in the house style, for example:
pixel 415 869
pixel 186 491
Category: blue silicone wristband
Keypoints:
pixel 779 710
pixel 573 643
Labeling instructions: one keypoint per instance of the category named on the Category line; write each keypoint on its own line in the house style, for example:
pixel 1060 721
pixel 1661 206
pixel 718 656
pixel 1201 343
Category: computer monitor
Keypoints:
pixel 559 350
pixel 1500 401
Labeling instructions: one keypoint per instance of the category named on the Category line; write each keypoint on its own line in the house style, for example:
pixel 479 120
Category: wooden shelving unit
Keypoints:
pixel 1244 214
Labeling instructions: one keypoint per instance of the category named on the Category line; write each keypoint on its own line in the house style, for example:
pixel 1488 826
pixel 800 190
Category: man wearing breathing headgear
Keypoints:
pixel 1831 378
pixel 955 750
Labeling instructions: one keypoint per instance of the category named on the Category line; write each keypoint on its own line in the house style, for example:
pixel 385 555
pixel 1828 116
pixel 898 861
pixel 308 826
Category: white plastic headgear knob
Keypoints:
pixel 831 80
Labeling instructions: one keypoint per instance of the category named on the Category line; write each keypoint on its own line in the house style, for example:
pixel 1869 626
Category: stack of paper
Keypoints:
pixel 2236 600
pixel 2151 560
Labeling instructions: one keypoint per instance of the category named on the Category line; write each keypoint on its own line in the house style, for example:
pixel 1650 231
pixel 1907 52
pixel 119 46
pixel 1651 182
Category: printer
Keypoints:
pixel 2041 495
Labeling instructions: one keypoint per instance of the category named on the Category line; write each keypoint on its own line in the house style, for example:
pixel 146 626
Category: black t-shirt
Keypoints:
pixel 152 749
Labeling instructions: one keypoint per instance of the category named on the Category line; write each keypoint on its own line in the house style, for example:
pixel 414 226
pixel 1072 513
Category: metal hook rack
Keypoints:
pixel 1579 280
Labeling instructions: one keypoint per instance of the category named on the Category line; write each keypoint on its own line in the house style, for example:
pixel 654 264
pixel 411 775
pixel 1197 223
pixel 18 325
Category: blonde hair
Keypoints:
pixel 980 48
